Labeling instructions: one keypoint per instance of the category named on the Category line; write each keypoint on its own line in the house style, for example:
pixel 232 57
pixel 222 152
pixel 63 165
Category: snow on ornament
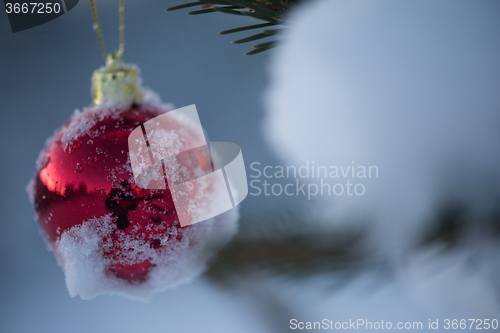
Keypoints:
pixel 406 86
pixel 108 234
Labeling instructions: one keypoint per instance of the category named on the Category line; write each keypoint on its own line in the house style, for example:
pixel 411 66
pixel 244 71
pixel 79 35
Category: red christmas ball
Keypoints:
pixel 108 234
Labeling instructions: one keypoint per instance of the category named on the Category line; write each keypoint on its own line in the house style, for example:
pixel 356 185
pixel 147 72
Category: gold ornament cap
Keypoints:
pixel 117 83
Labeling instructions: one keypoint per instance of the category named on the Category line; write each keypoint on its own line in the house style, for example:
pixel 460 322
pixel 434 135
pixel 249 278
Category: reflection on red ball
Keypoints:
pixel 85 173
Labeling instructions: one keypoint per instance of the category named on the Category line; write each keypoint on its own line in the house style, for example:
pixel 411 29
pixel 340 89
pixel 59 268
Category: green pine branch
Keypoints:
pixel 288 244
pixel 273 12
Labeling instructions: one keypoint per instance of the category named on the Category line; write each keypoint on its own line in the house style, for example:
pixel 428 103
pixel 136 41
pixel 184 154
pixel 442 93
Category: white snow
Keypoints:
pixel 409 86
pixel 81 124
pixel 80 254
pixel 462 281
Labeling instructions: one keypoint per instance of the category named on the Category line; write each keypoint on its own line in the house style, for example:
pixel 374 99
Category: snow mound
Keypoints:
pixel 406 86
pixel 80 253
pixel 411 87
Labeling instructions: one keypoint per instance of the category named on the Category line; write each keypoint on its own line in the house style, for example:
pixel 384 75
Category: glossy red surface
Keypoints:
pixel 91 176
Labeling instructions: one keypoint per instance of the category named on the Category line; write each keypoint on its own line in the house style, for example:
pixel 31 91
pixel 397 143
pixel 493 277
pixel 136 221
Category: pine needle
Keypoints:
pixel 248 27
pixel 264 34
pixel 272 12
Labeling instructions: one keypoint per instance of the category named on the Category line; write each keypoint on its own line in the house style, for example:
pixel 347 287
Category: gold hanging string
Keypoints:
pixel 98 31
pixel 122 29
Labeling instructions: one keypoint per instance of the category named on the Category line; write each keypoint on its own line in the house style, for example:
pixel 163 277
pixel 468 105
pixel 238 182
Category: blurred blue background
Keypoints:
pixel 45 75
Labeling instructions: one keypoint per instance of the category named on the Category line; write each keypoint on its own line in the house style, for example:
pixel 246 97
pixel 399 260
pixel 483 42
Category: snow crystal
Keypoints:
pixel 80 254
pixel 80 251
pixel 80 124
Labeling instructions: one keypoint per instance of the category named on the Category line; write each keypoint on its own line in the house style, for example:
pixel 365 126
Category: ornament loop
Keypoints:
pixel 117 84
pixel 97 28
